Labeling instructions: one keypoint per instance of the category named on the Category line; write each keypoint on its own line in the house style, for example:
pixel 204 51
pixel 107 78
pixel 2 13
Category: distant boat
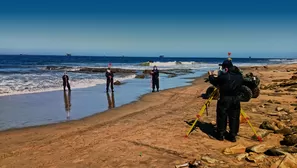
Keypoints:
pixel 250 57
pixel 68 54
pixel 161 56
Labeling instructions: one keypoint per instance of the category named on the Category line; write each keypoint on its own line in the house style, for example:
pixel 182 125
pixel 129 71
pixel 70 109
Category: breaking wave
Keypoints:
pixel 167 64
pixel 284 61
pixel 34 83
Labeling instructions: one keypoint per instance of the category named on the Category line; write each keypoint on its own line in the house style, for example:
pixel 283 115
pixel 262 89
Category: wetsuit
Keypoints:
pixel 155 79
pixel 228 105
pixel 109 80
pixel 66 82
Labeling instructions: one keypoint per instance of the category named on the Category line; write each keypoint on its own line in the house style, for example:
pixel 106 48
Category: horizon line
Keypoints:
pixel 118 56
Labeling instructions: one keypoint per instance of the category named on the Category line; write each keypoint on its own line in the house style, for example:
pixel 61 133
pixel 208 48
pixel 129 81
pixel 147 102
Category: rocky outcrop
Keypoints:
pixel 117 83
pixel 288 162
pixel 209 159
pixel 273 102
pixel 172 75
pixel 269 125
pixel 278 151
pixel 238 149
pixel 242 156
pixel 293 78
pixel 279 109
pixel 290 140
pixel 255 157
pixel 261 148
pixel 286 84
pixel 142 76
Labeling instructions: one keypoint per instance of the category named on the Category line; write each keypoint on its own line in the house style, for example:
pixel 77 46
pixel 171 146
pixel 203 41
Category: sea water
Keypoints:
pixel 31 92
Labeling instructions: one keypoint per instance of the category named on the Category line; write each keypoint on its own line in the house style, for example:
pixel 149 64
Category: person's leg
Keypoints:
pixel 154 84
pixel 234 117
pixel 107 85
pixel 111 84
pixel 68 86
pixel 221 118
pixel 157 84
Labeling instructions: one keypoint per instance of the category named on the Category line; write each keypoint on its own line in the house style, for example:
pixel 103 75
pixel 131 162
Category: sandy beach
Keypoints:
pixel 151 131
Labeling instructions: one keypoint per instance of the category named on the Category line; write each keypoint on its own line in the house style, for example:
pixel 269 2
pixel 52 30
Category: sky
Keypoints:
pixel 149 28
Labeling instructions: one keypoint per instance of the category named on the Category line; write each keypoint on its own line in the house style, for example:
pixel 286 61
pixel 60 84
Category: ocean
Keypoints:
pixel 31 86
pixel 31 74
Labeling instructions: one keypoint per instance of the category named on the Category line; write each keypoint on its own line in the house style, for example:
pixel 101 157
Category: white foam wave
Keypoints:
pixel 172 63
pixel 284 60
pixel 33 83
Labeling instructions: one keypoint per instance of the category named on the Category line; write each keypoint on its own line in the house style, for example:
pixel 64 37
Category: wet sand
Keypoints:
pixel 34 109
pixel 146 133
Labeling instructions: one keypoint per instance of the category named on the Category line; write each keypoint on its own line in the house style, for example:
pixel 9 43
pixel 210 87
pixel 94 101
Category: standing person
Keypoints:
pixel 229 83
pixel 109 79
pixel 66 81
pixel 155 78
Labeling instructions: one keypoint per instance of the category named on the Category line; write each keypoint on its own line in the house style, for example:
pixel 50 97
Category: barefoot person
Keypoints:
pixel 66 82
pixel 155 79
pixel 109 79
pixel 229 83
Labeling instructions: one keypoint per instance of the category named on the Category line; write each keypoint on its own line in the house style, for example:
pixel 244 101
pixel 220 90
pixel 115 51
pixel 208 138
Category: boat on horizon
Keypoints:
pixel 68 54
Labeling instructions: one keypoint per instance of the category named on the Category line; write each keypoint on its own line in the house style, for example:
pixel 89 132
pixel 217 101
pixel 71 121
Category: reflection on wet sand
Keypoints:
pixel 67 101
pixel 110 100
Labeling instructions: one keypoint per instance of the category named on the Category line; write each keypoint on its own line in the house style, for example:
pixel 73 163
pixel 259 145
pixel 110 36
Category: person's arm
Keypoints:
pixel 111 74
pixel 157 73
pixel 106 74
pixel 212 79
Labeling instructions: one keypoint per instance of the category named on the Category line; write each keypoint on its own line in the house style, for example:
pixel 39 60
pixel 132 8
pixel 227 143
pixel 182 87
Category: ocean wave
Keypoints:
pixel 167 64
pixel 34 83
pixel 87 69
pixel 284 60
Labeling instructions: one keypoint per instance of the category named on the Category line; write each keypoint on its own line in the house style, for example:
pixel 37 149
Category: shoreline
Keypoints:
pixel 153 125
pixel 131 103
pixel 78 97
pixel 98 114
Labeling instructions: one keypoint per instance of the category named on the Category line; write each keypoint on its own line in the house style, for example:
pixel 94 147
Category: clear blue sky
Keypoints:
pixel 151 27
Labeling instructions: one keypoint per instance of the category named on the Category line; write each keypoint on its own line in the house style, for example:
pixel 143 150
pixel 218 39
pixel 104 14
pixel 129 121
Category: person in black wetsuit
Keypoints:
pixel 66 82
pixel 229 83
pixel 109 79
pixel 155 79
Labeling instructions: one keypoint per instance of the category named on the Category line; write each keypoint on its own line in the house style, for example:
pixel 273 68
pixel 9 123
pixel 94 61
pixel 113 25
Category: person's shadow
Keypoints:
pixel 67 102
pixel 110 100
pixel 207 128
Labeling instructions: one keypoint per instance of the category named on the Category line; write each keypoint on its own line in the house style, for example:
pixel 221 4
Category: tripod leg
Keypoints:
pixel 250 124
pixel 201 112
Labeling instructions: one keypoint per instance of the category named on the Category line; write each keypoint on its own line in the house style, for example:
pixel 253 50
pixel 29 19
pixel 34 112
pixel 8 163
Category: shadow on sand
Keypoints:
pixel 207 128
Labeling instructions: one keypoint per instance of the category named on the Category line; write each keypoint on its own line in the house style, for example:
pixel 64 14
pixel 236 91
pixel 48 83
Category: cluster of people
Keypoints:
pixel 109 79
pixel 229 81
